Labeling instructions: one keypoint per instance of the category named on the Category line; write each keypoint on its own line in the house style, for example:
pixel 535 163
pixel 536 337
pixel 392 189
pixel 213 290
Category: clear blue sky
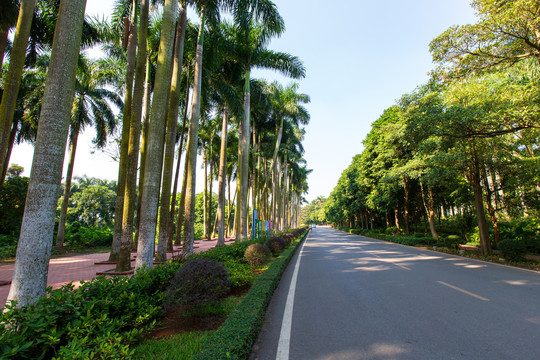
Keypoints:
pixel 360 56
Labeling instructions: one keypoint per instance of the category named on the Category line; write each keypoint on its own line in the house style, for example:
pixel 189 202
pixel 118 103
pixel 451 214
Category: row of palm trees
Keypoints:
pixel 249 131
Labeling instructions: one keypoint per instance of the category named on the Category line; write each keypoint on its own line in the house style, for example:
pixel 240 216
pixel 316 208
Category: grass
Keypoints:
pixel 177 347
pixel 185 345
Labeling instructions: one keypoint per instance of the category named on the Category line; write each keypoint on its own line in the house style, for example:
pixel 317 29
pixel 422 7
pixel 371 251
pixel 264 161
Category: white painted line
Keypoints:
pixel 463 291
pixel 286 325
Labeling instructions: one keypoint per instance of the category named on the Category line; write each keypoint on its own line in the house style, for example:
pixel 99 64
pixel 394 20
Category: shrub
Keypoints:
pixel 275 244
pixel 235 338
pixel 79 323
pixel 78 236
pixel 199 282
pixel 288 238
pixel 452 241
pixel 240 274
pixel 257 255
pixel 392 230
pixel 512 250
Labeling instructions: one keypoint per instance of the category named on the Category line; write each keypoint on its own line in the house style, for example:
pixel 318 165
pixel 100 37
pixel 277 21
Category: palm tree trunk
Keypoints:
pixel 170 142
pixel 243 160
pixel 3 45
pixel 124 260
pixel 182 205
pixel 124 143
pixel 158 113
pixel 147 100
pixel 11 82
pixel 11 142
pixel 170 231
pixel 205 191
pixel 67 188
pixel 35 241
pixel 189 210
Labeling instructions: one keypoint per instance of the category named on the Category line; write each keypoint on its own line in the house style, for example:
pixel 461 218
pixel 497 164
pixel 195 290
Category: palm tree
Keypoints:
pixel 8 19
pixel 255 25
pixel 172 118
pixel 16 64
pixel 156 132
pixel 90 107
pixel 35 241
pixel 124 262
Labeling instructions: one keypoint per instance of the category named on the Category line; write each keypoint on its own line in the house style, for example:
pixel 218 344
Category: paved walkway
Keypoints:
pixel 77 268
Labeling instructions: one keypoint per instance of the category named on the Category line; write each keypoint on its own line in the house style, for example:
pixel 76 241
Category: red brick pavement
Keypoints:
pixel 77 268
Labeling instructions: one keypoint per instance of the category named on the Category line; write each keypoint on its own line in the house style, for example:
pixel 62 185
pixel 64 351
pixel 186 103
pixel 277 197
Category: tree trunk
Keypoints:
pixel 205 191
pixel 3 45
pixel 130 193
pixel 182 205
pixel 124 143
pixel 209 214
pixel 243 160
pixel 407 190
pixel 172 119
pixel 34 248
pixel 430 209
pixel 158 113
pixel 144 145
pixel 191 152
pixel 67 188
pixel 474 177
pixel 11 142
pixel 170 232
pixel 13 76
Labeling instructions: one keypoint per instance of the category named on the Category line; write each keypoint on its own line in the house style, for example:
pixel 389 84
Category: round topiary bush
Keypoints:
pixel 512 250
pixel 288 238
pixel 276 244
pixel 197 283
pixel 257 255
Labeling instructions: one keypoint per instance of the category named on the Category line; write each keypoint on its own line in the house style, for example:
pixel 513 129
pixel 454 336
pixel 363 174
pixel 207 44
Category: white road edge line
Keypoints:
pixel 286 325
pixel 463 291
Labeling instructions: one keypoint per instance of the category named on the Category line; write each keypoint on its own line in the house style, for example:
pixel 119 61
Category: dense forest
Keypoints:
pixel 166 89
pixel 458 155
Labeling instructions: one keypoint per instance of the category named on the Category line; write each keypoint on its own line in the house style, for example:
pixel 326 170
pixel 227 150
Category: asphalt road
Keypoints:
pixel 359 298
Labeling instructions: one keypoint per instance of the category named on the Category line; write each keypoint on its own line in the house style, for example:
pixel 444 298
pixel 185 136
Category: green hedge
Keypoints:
pixel 235 338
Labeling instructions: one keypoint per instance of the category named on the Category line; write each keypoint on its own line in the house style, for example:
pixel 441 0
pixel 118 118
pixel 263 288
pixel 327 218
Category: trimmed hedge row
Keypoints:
pixel 235 338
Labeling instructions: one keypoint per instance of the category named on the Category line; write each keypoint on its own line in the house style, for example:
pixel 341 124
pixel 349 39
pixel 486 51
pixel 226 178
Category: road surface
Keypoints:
pixel 353 297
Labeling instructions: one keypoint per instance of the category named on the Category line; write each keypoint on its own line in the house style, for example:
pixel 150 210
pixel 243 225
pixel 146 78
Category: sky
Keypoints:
pixel 360 57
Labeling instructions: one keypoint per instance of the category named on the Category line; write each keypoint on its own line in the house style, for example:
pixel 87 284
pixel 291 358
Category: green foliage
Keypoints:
pixel 190 343
pixel 78 236
pixel 235 338
pixel 198 282
pixel 240 274
pixel 8 246
pixel 452 241
pixel 97 320
pixel 313 213
pixel 257 255
pixel 512 250
pixel 91 203
pixel 275 244
pixel 12 200
pixel 526 231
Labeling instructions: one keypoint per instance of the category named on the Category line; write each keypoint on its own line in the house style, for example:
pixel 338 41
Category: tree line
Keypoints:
pixel 179 87
pixel 466 142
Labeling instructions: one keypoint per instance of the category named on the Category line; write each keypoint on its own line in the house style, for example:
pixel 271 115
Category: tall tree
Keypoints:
pixel 124 258
pixel 35 242
pixel 172 119
pixel 90 107
pixel 16 64
pixel 152 177
pixel 256 23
